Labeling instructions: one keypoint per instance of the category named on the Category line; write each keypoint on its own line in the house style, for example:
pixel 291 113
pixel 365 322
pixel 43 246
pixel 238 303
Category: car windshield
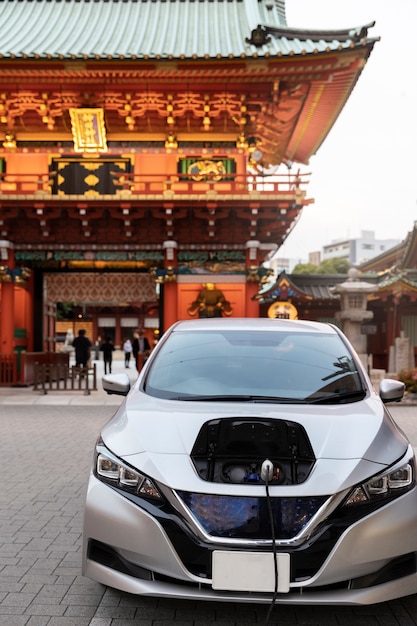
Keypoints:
pixel 265 366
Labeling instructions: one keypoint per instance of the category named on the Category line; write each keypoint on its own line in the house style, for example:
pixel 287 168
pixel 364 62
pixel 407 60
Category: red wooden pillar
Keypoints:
pixel 7 300
pixel 252 286
pixel 170 284
pixel 118 334
pixel 29 312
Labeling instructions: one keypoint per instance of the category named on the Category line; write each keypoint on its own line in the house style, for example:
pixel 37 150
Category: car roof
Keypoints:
pixel 253 325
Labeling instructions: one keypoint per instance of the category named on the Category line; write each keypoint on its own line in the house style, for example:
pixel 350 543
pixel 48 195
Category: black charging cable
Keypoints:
pixel 266 474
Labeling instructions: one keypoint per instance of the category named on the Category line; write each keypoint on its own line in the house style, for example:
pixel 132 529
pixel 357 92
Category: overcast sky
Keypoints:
pixel 364 176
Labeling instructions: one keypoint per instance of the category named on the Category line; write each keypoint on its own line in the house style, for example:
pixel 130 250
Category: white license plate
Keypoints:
pixel 250 571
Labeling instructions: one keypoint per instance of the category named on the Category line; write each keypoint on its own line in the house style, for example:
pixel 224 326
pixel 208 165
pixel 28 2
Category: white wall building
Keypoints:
pixel 358 250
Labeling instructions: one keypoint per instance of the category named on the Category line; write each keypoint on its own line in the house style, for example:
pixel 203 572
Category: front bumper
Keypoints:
pixel 126 547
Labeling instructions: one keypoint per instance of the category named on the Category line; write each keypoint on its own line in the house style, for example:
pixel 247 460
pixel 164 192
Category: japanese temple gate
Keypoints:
pixel 136 170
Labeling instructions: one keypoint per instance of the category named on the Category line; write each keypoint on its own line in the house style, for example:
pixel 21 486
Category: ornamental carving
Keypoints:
pixel 109 288
pixel 18 275
pixel 207 170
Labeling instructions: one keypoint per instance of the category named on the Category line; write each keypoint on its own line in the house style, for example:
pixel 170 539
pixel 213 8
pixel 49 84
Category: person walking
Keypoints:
pixel 82 346
pixel 127 349
pixel 107 348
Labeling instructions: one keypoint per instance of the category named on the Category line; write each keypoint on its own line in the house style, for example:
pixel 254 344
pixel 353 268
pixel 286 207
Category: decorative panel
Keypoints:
pixel 89 177
pixel 92 288
pixel 207 169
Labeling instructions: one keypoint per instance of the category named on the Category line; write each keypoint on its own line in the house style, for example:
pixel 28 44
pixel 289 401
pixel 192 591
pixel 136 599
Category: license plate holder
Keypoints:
pixel 250 571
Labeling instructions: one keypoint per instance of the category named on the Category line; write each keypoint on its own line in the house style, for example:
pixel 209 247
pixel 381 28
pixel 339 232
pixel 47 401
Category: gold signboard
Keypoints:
pixel 283 310
pixel 88 130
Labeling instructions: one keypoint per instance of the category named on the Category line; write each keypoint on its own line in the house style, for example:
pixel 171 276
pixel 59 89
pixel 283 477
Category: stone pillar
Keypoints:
pixel 401 354
pixel 7 299
pixel 353 300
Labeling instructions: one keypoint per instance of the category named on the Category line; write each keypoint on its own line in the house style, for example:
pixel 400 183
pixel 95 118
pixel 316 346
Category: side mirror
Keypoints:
pixel 391 390
pixel 117 384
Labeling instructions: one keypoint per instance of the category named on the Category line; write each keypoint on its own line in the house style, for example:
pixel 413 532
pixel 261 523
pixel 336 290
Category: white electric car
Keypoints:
pixel 253 459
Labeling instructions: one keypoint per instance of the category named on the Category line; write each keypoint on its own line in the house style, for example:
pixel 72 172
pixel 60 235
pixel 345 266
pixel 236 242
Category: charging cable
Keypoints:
pixel 267 471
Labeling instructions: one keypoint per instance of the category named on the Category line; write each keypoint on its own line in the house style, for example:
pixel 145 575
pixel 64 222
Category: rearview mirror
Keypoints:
pixel 391 390
pixel 117 384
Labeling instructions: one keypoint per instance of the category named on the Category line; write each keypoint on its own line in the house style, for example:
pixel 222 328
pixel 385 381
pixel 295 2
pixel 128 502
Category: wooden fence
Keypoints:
pixel 61 377
pixel 8 369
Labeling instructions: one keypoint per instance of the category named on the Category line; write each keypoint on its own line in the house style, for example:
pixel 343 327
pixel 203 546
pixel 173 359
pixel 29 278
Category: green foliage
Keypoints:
pixel 329 266
pixel 305 268
pixel 409 378
pixel 64 310
pixel 334 266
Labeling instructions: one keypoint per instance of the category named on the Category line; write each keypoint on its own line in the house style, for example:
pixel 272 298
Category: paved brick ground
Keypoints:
pixel 45 453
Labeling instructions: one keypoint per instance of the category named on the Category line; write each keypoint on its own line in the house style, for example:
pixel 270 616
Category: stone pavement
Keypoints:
pixel 46 447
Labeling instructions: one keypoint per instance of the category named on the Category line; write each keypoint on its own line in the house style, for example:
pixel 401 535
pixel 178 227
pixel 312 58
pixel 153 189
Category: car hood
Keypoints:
pixel 350 441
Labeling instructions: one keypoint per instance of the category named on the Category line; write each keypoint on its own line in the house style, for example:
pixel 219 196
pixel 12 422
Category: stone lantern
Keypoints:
pixel 353 303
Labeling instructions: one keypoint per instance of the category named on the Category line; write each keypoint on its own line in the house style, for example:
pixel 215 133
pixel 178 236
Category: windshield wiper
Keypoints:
pixel 239 398
pixel 338 398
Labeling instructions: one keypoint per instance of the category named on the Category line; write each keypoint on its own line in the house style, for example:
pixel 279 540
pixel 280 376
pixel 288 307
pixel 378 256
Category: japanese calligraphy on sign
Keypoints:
pixel 88 130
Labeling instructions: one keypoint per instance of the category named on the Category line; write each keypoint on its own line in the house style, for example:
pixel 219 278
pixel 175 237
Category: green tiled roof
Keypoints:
pixel 158 29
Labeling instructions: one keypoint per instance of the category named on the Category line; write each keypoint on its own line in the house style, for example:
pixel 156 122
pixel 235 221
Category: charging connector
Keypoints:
pixel 267 470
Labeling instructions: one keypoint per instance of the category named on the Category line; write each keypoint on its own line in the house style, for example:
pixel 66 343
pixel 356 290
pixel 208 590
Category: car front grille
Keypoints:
pixel 248 517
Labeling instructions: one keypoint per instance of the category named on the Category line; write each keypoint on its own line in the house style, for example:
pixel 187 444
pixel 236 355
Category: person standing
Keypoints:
pixel 141 349
pixel 97 348
pixel 127 349
pixel 107 348
pixel 82 346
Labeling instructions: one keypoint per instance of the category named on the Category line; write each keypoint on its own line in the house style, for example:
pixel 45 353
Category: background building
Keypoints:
pixel 357 250
pixel 137 145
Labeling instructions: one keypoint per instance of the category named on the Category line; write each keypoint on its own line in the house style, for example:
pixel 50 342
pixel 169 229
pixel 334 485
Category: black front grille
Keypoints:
pixel 248 517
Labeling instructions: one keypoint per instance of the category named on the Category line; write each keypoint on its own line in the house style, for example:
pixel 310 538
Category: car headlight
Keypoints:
pixel 110 469
pixel 386 486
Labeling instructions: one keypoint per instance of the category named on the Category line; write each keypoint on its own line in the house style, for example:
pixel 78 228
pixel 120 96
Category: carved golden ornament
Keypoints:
pixel 252 275
pixel 91 165
pixel 170 275
pixel 162 275
pixel 91 180
pixel 242 142
pixel 206 170
pixel 9 141
pixel 171 142
pixel 19 275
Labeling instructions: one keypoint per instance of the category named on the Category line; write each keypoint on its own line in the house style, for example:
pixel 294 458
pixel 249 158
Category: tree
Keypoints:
pixel 305 268
pixel 334 266
pixel 328 266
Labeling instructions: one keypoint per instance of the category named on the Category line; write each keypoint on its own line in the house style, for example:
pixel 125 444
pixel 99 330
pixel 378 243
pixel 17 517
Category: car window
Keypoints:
pixel 289 366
